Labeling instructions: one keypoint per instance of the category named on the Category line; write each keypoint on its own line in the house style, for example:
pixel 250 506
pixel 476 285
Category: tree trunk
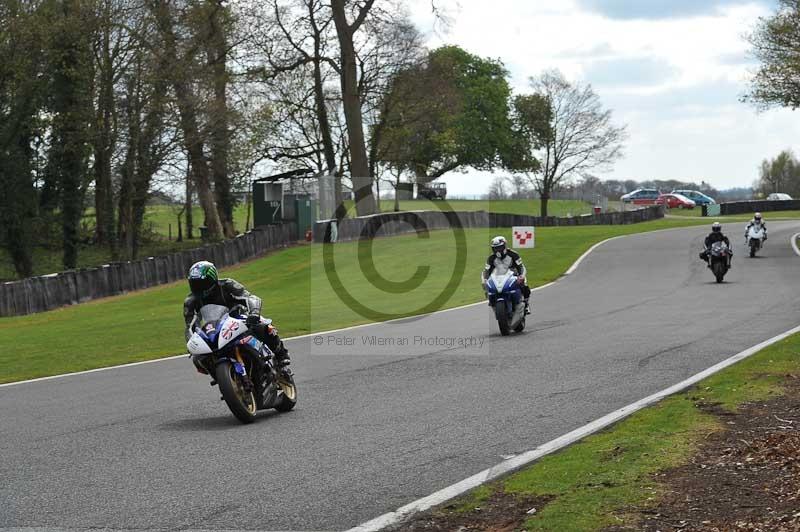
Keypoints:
pixel 351 102
pixel 104 143
pixel 18 205
pixel 189 203
pixel 125 220
pixel 220 130
pixel 186 99
pixel 544 199
pixel 71 109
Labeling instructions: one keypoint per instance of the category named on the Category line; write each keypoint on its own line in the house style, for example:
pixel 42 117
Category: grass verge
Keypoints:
pixel 592 484
pixel 294 286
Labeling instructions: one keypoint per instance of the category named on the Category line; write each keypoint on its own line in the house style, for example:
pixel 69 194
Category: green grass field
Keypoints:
pixel 594 483
pixel 159 218
pixel 48 260
pixel 296 292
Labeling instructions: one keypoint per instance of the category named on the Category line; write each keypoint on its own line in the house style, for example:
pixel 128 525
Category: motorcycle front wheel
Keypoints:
pixel 242 403
pixel 289 395
pixel 502 318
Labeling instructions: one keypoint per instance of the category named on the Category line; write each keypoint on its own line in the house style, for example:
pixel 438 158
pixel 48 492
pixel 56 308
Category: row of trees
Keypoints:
pixel 102 100
pixel 589 188
pixel 779 174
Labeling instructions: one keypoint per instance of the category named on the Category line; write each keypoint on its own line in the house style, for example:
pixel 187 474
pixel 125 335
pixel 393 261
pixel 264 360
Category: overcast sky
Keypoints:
pixel 672 70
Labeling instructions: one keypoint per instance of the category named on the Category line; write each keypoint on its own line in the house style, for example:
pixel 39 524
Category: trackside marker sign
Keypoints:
pixel 524 237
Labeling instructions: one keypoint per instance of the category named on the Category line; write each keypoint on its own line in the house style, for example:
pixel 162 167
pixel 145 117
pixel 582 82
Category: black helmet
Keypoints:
pixel 716 227
pixel 202 278
pixel 499 246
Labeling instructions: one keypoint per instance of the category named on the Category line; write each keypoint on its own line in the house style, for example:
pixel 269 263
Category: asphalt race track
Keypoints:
pixel 377 426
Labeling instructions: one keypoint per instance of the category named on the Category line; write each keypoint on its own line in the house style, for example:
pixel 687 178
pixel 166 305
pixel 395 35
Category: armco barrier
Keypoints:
pixel 393 223
pixel 742 207
pixel 37 294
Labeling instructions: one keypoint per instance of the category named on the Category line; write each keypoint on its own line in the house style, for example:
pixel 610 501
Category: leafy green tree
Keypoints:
pixel 776 44
pixel 21 90
pixel 448 113
pixel 71 66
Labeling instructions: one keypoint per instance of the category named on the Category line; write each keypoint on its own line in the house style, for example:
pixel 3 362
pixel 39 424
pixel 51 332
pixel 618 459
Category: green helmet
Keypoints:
pixel 202 278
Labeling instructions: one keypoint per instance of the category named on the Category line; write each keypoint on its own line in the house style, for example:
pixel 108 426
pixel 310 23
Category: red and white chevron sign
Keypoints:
pixel 524 237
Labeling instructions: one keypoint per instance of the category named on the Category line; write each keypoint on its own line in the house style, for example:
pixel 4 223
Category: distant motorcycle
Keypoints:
pixel 243 367
pixel 755 239
pixel 506 298
pixel 718 259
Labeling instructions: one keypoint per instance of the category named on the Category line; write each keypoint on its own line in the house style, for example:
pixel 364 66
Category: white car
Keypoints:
pixel 778 196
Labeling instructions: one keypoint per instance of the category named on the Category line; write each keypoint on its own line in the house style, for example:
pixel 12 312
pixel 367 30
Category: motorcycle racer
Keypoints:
pixel 502 256
pixel 207 289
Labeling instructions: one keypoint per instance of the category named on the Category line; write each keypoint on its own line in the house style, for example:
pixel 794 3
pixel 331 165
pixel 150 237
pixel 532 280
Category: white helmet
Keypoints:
pixel 499 246
pixel 757 217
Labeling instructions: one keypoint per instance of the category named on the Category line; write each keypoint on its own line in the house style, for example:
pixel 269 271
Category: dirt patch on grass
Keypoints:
pixel 745 477
pixel 500 512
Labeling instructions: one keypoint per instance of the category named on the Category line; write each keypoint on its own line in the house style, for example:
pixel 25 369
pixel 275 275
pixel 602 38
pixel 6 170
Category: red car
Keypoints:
pixel 675 201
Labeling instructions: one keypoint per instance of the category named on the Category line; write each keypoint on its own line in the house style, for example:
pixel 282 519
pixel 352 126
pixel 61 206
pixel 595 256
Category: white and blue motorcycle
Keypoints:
pixel 244 368
pixel 505 297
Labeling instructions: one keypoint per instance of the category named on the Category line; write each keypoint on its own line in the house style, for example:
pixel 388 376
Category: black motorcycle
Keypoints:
pixel 719 259
pixel 244 368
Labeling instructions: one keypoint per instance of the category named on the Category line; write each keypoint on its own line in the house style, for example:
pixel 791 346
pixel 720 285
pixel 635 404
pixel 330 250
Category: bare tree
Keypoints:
pixel 576 137
pixel 497 190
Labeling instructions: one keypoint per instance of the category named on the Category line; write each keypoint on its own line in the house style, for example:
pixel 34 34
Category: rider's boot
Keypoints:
pixel 527 307
pixel 282 355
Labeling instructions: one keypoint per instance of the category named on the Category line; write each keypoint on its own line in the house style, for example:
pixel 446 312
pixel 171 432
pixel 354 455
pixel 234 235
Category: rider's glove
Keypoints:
pixel 252 320
pixel 520 280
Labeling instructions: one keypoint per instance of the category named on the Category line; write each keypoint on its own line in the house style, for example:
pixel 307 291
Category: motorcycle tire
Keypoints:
pixel 719 271
pixel 289 395
pixel 502 320
pixel 241 403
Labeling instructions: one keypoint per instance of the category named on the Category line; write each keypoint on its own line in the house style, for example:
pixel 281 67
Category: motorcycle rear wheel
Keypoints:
pixel 241 402
pixel 719 271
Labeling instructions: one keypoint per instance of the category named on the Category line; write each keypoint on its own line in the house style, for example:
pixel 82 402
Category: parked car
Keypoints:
pixel 641 196
pixel 778 196
pixel 696 196
pixel 432 191
pixel 676 201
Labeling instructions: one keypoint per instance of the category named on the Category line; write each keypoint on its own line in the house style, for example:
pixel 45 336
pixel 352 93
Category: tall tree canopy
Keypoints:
pixel 449 112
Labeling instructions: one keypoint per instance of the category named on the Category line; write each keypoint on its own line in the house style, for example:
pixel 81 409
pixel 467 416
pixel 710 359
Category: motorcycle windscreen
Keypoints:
pixel 210 319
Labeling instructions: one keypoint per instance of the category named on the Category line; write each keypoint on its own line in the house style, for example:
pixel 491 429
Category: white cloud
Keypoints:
pixel 674 77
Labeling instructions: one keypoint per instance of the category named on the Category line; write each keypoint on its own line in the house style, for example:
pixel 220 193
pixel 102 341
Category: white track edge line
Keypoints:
pixel 512 464
pixel 173 357
pixel 793 242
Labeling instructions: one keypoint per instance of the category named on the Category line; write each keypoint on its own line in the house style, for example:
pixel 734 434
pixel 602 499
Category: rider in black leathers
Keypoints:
pixel 716 236
pixel 207 289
